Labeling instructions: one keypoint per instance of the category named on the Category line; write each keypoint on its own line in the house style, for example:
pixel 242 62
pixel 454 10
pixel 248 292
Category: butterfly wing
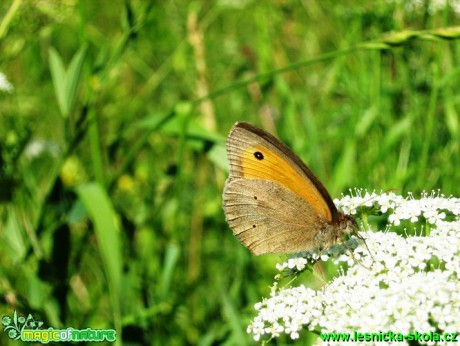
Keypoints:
pixel 268 218
pixel 256 154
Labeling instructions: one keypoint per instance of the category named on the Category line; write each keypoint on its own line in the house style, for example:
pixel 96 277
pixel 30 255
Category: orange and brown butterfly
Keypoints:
pixel 272 200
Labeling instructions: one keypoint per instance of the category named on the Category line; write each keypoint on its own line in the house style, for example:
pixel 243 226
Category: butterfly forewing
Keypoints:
pixel 255 154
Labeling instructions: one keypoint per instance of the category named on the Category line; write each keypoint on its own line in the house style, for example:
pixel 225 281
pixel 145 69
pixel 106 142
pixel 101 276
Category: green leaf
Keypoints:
pixel 13 238
pixel 218 155
pixel 232 317
pixel 73 77
pixel 397 131
pixel 344 169
pixel 66 82
pixel 103 216
pixel 59 77
pixel 171 257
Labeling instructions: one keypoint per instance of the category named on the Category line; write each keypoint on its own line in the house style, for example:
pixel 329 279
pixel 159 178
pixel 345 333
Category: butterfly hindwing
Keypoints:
pixel 265 226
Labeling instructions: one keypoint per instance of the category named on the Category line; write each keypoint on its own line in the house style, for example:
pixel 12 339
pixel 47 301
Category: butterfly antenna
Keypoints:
pixel 360 237
pixel 353 256
pixel 374 197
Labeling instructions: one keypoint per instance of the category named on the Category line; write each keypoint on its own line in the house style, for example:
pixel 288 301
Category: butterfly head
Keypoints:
pixel 344 225
pixel 350 224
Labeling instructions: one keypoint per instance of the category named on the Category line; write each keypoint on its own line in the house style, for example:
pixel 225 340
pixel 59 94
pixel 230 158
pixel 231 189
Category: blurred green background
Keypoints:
pixel 112 143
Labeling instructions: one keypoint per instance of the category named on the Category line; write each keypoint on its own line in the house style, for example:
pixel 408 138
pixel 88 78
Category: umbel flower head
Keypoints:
pixel 400 283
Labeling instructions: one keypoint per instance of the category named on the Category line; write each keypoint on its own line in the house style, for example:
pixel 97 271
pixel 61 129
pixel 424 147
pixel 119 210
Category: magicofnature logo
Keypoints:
pixel 28 329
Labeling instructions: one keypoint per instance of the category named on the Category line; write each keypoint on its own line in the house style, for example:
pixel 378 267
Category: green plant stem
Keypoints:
pixel 9 17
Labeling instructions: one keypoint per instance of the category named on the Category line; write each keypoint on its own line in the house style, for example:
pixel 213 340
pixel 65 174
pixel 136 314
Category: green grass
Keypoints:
pixel 116 222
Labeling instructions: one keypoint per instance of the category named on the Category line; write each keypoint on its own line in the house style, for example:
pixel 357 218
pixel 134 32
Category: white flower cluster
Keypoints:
pixel 39 147
pixel 408 284
pixel 431 207
pixel 5 85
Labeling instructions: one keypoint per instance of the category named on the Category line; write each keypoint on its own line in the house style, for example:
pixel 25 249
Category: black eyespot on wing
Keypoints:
pixel 258 155
pixel 253 226
pixel 255 197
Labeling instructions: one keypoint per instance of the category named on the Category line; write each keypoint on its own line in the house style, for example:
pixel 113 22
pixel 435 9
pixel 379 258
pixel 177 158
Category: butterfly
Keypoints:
pixel 272 201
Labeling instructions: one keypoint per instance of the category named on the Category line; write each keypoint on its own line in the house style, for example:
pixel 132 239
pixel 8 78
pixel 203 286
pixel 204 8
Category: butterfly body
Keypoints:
pixel 272 201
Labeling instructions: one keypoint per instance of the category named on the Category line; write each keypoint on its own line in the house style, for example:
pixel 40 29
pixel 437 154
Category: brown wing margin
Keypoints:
pixel 288 152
